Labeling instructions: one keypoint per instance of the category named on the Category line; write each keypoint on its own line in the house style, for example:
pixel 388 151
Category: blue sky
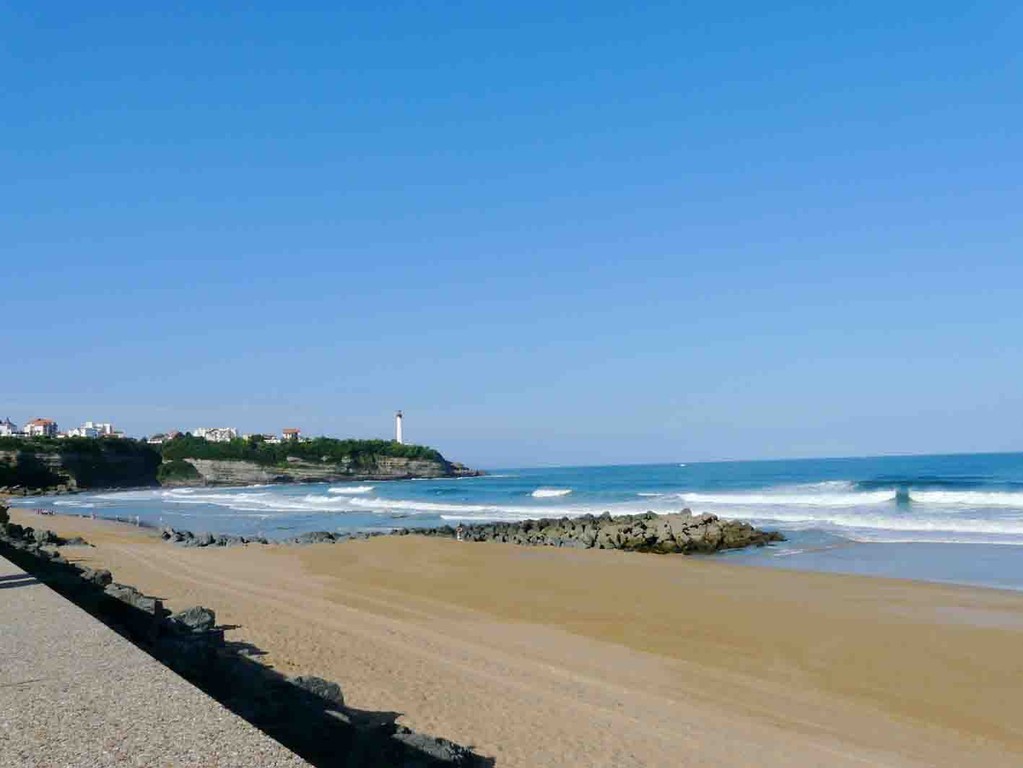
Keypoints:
pixel 553 233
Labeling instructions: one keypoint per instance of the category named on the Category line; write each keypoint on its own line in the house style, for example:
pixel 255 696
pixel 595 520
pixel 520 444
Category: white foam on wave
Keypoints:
pixel 347 489
pixel 969 498
pixel 897 522
pixel 792 498
pixel 550 493
pixel 922 537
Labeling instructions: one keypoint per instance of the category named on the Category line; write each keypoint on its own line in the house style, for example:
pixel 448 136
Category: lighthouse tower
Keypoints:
pixel 397 428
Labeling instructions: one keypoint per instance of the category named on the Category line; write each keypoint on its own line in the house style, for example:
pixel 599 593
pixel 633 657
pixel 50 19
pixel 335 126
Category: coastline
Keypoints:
pixel 544 656
pixel 29 493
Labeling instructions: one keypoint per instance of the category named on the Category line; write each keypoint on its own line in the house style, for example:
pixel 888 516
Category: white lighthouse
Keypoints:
pixel 397 428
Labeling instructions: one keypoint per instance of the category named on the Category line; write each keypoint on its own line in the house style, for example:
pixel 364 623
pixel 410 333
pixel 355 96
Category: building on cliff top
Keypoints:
pixel 94 429
pixel 8 428
pixel 41 428
pixel 290 433
pixel 216 434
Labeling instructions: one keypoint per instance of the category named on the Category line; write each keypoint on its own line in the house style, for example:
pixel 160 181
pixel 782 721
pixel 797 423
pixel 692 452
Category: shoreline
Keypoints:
pixel 736 557
pixel 558 656
pixel 34 493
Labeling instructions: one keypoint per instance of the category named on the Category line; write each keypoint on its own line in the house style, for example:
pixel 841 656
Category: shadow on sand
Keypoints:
pixel 307 715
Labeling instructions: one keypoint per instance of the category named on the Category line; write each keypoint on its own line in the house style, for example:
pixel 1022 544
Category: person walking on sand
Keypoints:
pixel 460 533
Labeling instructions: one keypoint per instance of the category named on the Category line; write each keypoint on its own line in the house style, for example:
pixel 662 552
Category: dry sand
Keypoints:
pixel 544 657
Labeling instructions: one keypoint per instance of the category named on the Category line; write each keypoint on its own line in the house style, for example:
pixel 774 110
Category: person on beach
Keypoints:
pixel 460 533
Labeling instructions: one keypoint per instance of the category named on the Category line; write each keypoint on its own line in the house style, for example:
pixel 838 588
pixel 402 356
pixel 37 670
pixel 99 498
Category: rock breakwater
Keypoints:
pixel 676 533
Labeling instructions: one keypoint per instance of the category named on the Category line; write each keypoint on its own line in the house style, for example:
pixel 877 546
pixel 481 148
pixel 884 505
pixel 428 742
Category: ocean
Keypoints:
pixel 950 518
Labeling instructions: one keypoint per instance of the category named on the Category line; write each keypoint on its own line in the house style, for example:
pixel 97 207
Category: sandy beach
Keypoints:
pixel 561 657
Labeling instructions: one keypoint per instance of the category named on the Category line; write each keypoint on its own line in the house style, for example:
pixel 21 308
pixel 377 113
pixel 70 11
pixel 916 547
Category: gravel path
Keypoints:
pixel 75 693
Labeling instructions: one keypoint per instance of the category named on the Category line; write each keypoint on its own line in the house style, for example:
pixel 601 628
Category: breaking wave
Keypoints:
pixel 793 497
pixel 550 493
pixel 969 498
pixel 347 489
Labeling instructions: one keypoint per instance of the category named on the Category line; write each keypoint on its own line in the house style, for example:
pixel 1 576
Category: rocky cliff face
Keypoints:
pixel 103 467
pixel 230 472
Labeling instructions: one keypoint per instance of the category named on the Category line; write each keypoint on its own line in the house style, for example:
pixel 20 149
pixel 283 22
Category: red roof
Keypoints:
pixel 40 422
pixel 291 431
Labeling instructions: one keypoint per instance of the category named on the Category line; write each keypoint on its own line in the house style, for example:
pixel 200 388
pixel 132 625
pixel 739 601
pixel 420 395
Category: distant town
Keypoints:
pixel 101 429
pixel 104 429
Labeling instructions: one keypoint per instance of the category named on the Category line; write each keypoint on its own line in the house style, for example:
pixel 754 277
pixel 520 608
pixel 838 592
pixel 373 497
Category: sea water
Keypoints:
pixel 956 518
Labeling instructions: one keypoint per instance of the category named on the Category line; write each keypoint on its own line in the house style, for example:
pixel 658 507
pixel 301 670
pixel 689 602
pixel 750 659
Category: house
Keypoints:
pixel 94 429
pixel 216 434
pixel 290 433
pixel 8 428
pixel 41 428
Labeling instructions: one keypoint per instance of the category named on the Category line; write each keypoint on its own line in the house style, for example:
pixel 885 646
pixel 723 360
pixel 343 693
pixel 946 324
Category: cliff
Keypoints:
pixel 75 464
pixel 43 464
pixel 293 470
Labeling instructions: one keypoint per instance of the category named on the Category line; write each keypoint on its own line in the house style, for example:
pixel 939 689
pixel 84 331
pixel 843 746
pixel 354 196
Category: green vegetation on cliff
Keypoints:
pixel 177 471
pixel 357 453
pixel 48 463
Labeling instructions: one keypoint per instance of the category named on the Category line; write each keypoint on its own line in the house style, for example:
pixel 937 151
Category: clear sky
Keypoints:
pixel 567 233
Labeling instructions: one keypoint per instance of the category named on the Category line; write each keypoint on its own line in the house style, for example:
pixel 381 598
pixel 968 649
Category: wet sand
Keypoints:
pixel 565 657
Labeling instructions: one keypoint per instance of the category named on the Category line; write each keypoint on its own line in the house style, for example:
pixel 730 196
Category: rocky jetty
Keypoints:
pixel 677 533
pixel 188 539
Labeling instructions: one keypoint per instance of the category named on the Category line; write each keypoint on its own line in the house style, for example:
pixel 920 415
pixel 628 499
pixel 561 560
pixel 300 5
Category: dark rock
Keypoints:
pixel 98 576
pixel 442 750
pixel 677 533
pixel 314 537
pixel 325 689
pixel 195 619
pixel 76 541
pixel 131 596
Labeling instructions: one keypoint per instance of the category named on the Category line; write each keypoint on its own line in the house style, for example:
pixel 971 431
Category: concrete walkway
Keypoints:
pixel 75 693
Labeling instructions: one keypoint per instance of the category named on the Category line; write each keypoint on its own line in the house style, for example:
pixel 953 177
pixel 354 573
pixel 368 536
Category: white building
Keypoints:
pixel 262 436
pixel 94 429
pixel 41 428
pixel 216 434
pixel 397 428
pixel 8 428
pixel 160 438
pixel 290 433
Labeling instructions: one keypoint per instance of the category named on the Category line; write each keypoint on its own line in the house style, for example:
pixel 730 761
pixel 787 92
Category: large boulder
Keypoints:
pixel 325 689
pixel 131 596
pixel 314 537
pixel 98 576
pixel 444 751
pixel 194 619
pixel 46 537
